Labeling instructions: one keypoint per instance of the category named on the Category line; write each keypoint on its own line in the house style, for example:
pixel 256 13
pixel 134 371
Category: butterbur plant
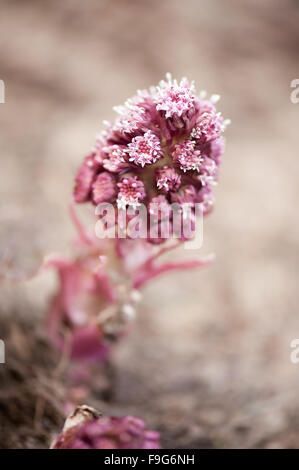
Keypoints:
pixel 163 150
pixel 85 428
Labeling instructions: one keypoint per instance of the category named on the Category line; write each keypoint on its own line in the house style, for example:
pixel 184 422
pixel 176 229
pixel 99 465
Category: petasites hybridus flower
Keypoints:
pixel 85 428
pixel 164 141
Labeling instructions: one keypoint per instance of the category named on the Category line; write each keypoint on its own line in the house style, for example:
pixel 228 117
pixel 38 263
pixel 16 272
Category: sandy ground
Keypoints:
pixel 208 361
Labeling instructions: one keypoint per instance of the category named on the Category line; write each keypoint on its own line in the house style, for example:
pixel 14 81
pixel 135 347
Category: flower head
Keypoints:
pixel 85 428
pixel 208 171
pixel 187 157
pixel 115 158
pixel 164 139
pixel 145 149
pixel 208 127
pixel 186 195
pixel 167 179
pixel 216 149
pixel 173 98
pixel 85 177
pixel 131 192
pixel 103 188
pixel 131 117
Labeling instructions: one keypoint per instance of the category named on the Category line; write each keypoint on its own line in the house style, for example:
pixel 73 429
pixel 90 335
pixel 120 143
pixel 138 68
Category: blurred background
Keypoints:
pixel 208 362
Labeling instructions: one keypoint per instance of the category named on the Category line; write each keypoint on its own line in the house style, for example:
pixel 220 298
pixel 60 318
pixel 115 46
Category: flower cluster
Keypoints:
pixel 165 143
pixel 86 429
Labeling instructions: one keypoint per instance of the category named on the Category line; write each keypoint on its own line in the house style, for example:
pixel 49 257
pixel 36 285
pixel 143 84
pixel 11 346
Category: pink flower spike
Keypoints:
pixel 206 197
pixel 208 127
pixel 131 192
pixel 116 158
pixel 186 194
pixel 145 150
pixel 167 179
pixel 104 188
pixel 217 148
pixel 84 178
pixel 132 117
pixel 187 157
pixel 161 204
pixel 175 99
pixel 208 171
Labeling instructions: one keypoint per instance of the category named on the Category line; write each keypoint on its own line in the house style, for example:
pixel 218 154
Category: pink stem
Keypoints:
pixel 105 286
pixel 56 261
pixel 119 248
pixel 149 262
pixel 84 237
pixel 145 276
